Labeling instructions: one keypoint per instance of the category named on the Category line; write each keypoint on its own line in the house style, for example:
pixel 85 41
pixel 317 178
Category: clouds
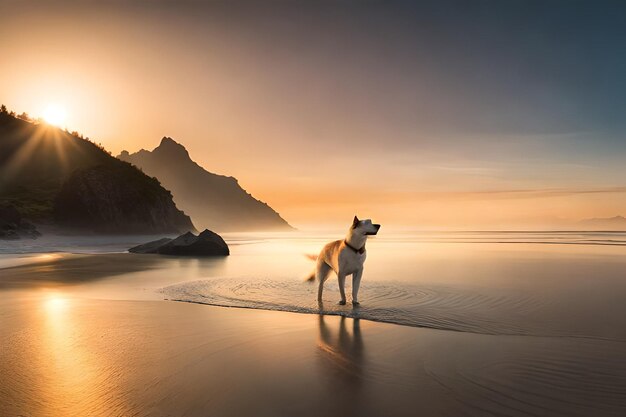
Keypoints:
pixel 514 194
pixel 440 101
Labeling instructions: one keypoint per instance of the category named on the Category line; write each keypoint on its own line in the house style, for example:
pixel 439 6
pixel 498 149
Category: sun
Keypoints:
pixel 55 114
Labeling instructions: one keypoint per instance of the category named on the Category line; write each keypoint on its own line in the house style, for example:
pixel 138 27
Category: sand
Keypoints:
pixel 92 357
pixel 90 335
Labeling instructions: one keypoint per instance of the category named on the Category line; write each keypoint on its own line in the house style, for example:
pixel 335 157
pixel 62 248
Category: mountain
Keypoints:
pixel 214 201
pixel 53 177
pixel 608 223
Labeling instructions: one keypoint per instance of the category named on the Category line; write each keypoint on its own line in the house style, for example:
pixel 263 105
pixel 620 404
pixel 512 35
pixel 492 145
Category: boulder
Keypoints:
pixel 150 247
pixel 206 243
pixel 13 227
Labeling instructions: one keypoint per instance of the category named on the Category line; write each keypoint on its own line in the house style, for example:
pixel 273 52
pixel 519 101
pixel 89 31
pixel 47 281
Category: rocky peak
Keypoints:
pixel 171 148
pixel 213 200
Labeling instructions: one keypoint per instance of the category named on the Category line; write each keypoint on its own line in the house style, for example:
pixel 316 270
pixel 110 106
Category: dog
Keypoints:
pixel 345 257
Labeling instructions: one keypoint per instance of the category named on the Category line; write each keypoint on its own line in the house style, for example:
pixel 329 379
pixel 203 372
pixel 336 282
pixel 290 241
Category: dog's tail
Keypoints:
pixel 311 277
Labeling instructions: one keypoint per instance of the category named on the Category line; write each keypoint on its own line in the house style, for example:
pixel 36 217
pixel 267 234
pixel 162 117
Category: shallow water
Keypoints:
pixel 440 281
pixel 536 283
pixel 540 321
pixel 525 328
pixel 72 243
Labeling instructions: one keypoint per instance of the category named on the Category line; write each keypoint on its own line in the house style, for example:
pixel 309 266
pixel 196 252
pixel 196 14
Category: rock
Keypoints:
pixel 210 235
pixel 150 247
pixel 9 235
pixel 9 226
pixel 9 215
pixel 214 201
pixel 74 185
pixel 206 243
pixel 13 227
pixel 29 230
pixel 118 199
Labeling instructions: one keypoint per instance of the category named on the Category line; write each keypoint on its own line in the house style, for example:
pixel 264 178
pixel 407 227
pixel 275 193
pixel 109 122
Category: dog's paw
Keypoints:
pixel 356 303
pixel 342 302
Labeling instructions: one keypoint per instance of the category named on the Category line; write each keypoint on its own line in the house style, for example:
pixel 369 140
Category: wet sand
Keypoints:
pixel 77 356
pixel 91 335
pixel 91 357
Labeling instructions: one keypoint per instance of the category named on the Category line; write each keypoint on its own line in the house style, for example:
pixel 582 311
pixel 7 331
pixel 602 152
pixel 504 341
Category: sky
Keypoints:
pixel 456 114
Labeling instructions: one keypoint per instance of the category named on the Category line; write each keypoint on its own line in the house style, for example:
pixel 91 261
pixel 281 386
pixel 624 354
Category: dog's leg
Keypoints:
pixel 342 287
pixel 321 274
pixel 320 289
pixel 356 283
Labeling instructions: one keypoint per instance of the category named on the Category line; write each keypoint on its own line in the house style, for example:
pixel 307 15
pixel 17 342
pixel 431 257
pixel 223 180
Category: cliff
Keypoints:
pixel 13 227
pixel 214 201
pixel 57 178
pixel 113 199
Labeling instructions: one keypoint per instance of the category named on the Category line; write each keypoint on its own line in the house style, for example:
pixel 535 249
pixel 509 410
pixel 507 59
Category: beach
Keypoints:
pixel 448 327
pixel 292 208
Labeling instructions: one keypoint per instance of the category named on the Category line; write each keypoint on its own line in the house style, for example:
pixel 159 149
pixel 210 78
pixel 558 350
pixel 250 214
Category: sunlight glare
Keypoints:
pixel 55 114
pixel 55 303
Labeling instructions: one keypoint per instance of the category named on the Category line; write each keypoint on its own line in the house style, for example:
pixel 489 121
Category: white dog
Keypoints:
pixel 345 257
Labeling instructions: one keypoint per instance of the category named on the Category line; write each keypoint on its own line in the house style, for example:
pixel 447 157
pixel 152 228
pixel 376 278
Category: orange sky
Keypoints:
pixel 321 114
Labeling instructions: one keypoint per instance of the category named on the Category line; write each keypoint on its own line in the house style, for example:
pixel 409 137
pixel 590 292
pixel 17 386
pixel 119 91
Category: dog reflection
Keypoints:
pixel 344 352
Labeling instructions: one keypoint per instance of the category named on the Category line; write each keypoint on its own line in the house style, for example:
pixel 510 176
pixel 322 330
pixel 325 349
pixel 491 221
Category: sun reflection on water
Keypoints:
pixel 55 304
pixel 71 367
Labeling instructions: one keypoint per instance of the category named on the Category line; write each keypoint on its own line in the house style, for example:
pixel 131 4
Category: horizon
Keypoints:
pixel 390 207
pixel 447 131
pixel 591 225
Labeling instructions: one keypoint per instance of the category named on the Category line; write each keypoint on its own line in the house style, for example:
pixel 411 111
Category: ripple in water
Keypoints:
pixel 437 307
pixel 545 377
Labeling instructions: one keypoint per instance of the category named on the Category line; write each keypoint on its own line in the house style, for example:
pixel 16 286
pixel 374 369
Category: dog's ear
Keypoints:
pixel 355 222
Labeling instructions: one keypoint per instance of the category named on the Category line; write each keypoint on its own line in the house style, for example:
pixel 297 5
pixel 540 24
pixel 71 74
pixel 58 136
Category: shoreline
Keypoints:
pixel 111 276
pixel 347 315
pixel 85 334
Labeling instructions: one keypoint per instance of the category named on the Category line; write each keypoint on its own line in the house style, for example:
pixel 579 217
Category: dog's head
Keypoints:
pixel 365 227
